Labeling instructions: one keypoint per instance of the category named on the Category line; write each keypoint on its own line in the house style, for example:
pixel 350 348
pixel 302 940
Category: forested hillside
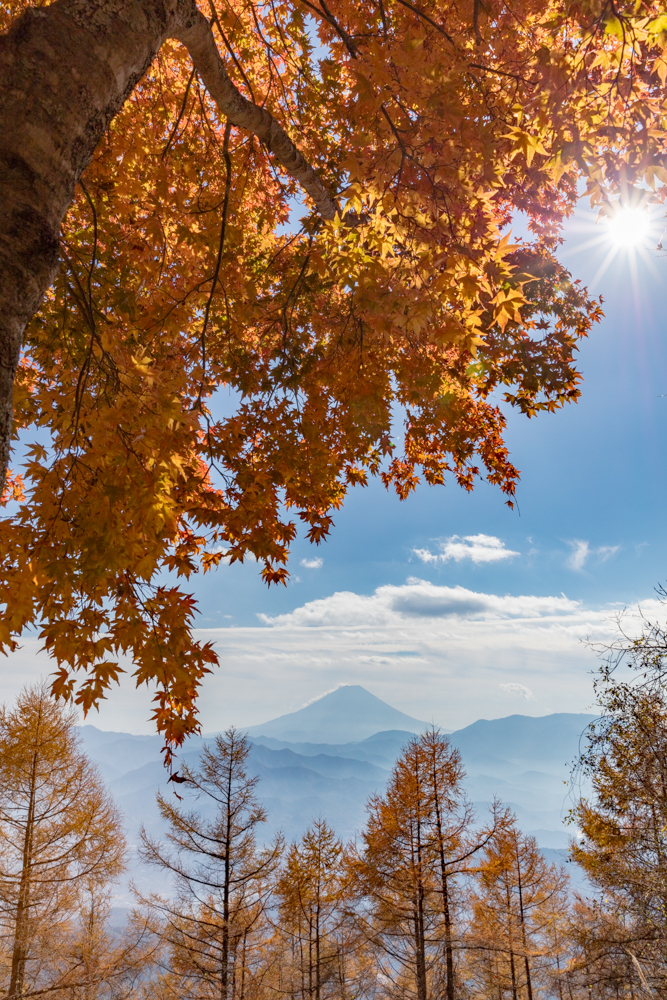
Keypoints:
pixel 432 898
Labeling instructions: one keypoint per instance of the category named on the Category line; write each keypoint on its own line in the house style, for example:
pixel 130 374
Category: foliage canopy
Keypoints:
pixel 431 124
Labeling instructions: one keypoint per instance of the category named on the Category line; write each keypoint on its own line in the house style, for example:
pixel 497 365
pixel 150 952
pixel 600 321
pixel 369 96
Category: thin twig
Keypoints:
pixel 221 244
pixel 428 18
pixel 227 44
pixel 172 134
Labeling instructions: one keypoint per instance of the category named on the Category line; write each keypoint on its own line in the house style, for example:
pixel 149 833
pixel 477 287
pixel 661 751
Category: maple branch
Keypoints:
pixel 500 72
pixel 216 20
pixel 475 22
pixel 346 37
pixel 174 130
pixel 216 272
pixel 200 43
pixel 426 17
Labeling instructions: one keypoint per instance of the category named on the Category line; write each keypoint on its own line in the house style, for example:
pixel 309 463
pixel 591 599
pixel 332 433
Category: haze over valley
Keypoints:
pixel 306 773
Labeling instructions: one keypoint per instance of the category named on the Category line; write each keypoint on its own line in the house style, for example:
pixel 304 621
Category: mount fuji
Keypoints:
pixel 330 757
pixel 348 714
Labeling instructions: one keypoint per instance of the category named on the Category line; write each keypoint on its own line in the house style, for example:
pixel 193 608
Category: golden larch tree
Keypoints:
pixel 219 874
pixel 416 843
pixel 315 932
pixel 622 820
pixel 511 909
pixel 61 839
pixel 454 843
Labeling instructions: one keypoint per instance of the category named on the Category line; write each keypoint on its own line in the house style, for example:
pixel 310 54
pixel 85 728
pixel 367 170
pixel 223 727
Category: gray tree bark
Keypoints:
pixel 65 71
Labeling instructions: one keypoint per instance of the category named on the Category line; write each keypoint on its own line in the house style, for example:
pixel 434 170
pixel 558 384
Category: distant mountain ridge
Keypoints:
pixel 348 714
pixel 335 769
pixel 521 738
pixel 521 759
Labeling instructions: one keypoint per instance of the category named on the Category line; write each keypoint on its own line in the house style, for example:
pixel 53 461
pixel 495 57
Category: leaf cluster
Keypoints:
pixel 206 376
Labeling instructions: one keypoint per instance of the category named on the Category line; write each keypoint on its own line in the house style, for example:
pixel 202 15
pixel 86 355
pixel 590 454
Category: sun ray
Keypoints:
pixel 596 241
pixel 628 234
pixel 649 262
pixel 611 254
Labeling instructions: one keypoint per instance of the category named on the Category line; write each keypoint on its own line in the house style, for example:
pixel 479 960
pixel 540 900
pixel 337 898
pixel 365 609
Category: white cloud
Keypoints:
pixel 444 666
pixel 520 689
pixel 477 548
pixel 582 552
pixel 415 599
pixel 312 563
pixel 426 556
pixel 606 552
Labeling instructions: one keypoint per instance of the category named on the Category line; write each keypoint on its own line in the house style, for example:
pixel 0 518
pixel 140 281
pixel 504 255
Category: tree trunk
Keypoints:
pixel 420 935
pixel 243 964
pixel 511 943
pixel 419 947
pixel 65 71
pixel 21 927
pixel 449 952
pixel 317 949
pixel 311 974
pixel 524 940
pixel 446 911
pixel 227 881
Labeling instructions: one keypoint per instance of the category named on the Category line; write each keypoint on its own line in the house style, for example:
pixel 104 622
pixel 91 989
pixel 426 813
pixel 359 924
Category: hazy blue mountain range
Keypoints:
pixel 349 713
pixel 522 760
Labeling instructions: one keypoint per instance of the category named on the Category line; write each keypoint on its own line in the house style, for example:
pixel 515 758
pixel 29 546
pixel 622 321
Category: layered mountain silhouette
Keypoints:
pixel 522 760
pixel 322 761
pixel 350 713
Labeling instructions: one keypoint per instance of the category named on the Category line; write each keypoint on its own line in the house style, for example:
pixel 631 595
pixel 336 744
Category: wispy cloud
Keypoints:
pixel 579 555
pixel 312 563
pixel 582 552
pixel 476 548
pixel 318 697
pixel 520 689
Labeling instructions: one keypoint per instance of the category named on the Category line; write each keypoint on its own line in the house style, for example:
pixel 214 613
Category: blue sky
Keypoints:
pixel 382 607
pixel 592 475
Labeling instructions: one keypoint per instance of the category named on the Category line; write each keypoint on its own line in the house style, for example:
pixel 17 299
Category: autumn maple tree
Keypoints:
pixel 150 156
